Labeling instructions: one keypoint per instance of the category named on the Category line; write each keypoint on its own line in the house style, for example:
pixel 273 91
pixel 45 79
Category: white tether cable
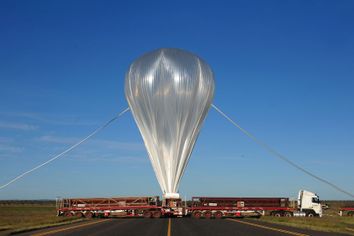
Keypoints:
pixel 67 150
pixel 280 156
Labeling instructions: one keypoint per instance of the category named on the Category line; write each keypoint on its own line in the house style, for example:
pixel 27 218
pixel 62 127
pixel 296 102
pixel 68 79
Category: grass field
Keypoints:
pixel 330 222
pixel 327 223
pixel 22 215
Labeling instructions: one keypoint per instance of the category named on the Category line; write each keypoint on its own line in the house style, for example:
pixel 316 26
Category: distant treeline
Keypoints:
pixel 338 203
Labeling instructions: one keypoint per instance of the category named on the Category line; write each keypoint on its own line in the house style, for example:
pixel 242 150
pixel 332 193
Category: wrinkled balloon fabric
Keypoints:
pixel 169 92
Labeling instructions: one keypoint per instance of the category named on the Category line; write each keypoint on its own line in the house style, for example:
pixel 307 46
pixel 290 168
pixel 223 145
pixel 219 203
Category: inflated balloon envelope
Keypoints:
pixel 169 92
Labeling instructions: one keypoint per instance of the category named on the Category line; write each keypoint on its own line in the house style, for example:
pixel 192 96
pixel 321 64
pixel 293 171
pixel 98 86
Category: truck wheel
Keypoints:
pixel 310 214
pixel 350 213
pixel 156 214
pixel 88 214
pixel 68 214
pixel 147 214
pixel 207 215
pixel 288 214
pixel 218 215
pixel 196 214
pixel 277 214
pixel 79 214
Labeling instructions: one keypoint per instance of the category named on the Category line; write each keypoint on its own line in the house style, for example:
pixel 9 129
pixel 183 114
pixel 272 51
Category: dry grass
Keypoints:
pixel 326 223
pixel 15 217
pixel 330 222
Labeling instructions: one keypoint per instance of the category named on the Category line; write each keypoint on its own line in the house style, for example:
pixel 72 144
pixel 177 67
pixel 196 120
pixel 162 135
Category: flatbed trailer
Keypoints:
pixel 346 211
pixel 218 207
pixel 106 207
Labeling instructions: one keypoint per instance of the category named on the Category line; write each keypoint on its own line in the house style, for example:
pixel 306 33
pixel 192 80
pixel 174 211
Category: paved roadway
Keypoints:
pixel 175 227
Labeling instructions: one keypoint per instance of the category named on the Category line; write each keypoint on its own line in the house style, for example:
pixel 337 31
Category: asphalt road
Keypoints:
pixel 175 227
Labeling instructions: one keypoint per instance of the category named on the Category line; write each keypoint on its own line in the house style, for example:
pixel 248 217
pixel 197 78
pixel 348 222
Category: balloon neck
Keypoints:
pixel 171 196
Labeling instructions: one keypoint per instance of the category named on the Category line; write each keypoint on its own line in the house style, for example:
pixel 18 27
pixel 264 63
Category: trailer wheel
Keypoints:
pixel 196 214
pixel 350 213
pixel 68 214
pixel 147 214
pixel 156 214
pixel 88 214
pixel 218 215
pixel 79 214
pixel 207 215
pixel 138 213
pixel 288 214
pixel 277 214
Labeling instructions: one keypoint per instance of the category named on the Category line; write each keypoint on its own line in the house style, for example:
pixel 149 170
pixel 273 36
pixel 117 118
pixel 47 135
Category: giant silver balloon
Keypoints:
pixel 169 92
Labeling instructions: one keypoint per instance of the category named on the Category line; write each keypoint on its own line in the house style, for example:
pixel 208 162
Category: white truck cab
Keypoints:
pixel 309 203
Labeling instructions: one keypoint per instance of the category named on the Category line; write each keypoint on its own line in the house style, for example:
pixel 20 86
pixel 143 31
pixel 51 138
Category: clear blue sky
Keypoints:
pixel 284 70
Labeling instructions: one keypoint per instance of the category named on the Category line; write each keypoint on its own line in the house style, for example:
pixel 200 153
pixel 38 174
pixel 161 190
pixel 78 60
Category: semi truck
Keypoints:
pixel 307 204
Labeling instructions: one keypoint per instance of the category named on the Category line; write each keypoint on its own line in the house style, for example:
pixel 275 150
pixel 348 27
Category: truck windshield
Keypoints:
pixel 315 200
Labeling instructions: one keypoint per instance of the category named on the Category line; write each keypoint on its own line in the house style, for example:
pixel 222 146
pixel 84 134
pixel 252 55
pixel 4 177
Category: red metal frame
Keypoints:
pixel 242 208
pixel 347 209
pixel 108 204
pixel 230 204
pixel 112 208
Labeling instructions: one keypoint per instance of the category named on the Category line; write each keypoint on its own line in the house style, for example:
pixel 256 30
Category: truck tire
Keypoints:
pixel 207 215
pixel 147 214
pixel 88 214
pixel 277 214
pixel 196 214
pixel 79 214
pixel 156 214
pixel 68 214
pixel 310 214
pixel 218 215
pixel 288 214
